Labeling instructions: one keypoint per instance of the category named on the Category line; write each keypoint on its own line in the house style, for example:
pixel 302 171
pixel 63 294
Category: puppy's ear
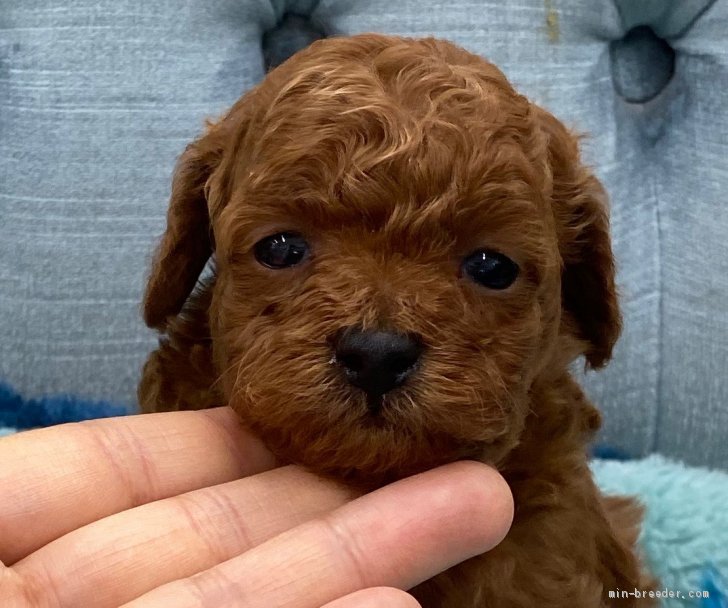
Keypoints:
pixel 186 244
pixel 588 290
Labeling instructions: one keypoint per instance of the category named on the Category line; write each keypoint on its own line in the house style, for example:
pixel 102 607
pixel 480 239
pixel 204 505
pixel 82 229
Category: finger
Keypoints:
pixel 376 597
pixel 12 591
pixel 116 559
pixel 58 479
pixel 397 536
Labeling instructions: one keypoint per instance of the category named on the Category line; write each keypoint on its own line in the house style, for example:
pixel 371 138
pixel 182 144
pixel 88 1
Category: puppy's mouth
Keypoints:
pixel 375 404
pixel 392 410
pixel 378 414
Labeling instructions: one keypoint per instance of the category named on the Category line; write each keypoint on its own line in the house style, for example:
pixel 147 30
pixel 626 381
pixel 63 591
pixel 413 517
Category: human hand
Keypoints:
pixel 186 509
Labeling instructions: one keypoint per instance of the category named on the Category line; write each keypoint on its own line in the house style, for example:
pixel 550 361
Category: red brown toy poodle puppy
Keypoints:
pixel 406 257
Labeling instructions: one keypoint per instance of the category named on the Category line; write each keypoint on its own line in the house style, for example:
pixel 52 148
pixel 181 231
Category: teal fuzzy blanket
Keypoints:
pixel 685 531
pixel 684 536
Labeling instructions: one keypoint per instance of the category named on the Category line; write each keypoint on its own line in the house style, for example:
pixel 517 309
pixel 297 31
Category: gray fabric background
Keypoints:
pixel 98 97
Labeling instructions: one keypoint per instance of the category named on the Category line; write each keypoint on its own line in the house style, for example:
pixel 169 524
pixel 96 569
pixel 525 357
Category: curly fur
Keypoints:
pixel 396 158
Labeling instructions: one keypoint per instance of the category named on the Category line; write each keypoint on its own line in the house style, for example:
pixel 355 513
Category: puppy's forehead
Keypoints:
pixel 391 96
pixel 362 131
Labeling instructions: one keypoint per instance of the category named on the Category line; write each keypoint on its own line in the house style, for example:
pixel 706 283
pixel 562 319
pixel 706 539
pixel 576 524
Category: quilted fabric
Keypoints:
pixel 98 97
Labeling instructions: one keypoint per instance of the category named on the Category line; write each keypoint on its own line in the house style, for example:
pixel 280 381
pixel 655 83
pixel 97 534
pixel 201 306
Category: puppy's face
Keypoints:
pixel 403 245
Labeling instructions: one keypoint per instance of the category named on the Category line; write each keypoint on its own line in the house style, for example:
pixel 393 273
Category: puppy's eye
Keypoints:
pixel 281 250
pixel 491 269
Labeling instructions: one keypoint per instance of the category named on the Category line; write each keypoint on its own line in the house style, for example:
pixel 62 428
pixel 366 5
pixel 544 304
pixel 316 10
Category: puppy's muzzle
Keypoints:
pixel 376 361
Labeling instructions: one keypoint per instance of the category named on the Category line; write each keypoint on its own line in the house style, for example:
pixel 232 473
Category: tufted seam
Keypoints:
pixel 657 15
pixel 656 418
pixel 692 22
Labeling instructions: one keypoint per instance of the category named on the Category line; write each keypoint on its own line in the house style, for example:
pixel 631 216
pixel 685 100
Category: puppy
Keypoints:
pixel 406 257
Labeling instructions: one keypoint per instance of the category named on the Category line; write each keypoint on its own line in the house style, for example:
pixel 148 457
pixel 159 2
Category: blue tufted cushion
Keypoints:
pixel 98 97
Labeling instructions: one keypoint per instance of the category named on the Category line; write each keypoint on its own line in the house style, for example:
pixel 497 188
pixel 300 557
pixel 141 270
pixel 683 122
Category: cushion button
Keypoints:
pixel 642 64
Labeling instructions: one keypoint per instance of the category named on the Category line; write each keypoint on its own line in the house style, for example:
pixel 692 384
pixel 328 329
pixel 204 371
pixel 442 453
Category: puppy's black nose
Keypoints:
pixel 377 361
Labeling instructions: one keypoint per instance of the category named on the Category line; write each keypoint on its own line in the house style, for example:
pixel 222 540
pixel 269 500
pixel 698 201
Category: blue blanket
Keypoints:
pixel 19 413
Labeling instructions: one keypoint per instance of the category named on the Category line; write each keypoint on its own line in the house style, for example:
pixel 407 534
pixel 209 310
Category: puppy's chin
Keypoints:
pixel 368 449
